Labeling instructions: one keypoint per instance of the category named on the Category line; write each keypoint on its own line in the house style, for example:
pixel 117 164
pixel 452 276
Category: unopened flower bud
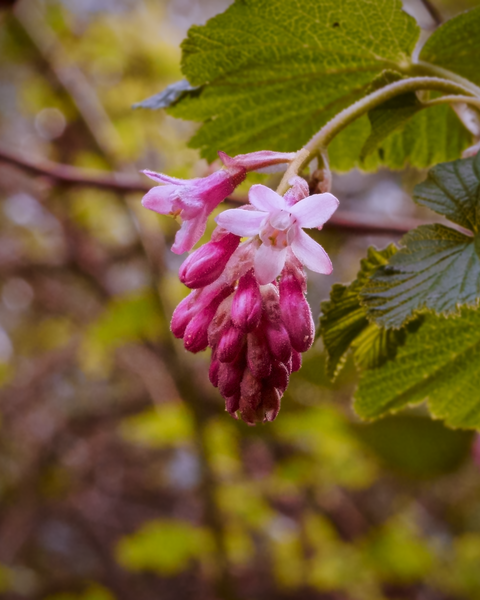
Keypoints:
pixel 296 313
pixel 258 355
pixel 278 378
pixel 270 403
pixel 195 338
pixel 183 314
pixel 232 404
pixel 296 361
pixel 213 370
pixel 230 344
pixel 206 264
pixel 247 303
pixel 230 376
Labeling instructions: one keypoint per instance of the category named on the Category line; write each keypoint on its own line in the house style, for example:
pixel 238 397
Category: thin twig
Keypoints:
pixel 121 182
pixel 68 175
pixel 433 12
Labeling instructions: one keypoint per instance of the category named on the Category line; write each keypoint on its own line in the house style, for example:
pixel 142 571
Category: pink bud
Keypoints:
pixel 258 355
pixel 255 161
pixel 213 370
pixel 230 376
pixel 251 396
pixel 183 314
pixel 296 314
pixel 270 403
pixel 278 341
pixel 220 322
pixel 296 361
pixel 230 344
pixel 247 303
pixel 278 377
pixel 195 338
pixel 206 264
pixel 232 404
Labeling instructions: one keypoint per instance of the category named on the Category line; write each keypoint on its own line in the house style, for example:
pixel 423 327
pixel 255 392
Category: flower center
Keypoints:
pixel 274 230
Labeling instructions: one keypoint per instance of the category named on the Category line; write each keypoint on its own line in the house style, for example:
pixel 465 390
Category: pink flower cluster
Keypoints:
pixel 248 298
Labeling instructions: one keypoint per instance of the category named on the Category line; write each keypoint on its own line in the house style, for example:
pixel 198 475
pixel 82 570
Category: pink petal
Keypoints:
pixel 265 199
pixel 269 263
pixel 245 223
pixel 160 199
pixel 314 210
pixel 311 254
pixel 189 233
pixel 162 178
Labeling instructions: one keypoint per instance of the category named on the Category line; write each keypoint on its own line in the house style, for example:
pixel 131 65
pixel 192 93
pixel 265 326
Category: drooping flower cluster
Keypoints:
pixel 248 298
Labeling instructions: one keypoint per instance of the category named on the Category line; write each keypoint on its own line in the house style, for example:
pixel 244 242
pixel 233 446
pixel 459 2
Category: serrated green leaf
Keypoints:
pixel 276 70
pixel 344 323
pixel 438 268
pixel 452 189
pixel 456 45
pixel 440 363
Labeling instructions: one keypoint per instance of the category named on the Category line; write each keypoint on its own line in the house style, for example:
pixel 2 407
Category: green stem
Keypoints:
pixel 321 139
pixel 426 68
pixel 474 102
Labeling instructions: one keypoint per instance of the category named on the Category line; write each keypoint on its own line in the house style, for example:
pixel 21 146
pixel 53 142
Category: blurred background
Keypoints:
pixel 121 476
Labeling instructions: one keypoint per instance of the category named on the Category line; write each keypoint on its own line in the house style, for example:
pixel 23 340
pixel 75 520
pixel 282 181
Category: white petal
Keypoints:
pixel 269 263
pixel 245 223
pixel 311 254
pixel 265 199
pixel 314 210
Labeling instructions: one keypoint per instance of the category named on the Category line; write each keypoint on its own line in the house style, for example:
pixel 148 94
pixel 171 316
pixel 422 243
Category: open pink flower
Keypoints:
pixel 280 226
pixel 194 199
pixel 191 199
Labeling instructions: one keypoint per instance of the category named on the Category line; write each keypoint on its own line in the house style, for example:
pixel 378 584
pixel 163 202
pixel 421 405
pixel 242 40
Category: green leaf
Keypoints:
pixel 438 363
pixel 438 268
pixel 168 96
pixel 166 547
pixel 415 445
pixel 275 71
pixel 456 45
pixel 387 118
pixel 452 190
pixel 344 323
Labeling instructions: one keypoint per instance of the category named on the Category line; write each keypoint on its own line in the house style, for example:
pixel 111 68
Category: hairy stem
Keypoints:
pixel 321 139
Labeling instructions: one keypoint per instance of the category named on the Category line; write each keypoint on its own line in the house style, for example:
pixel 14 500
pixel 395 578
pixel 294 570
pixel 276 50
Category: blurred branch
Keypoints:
pixel 433 12
pixel 121 182
pixel 66 174
pixel 72 79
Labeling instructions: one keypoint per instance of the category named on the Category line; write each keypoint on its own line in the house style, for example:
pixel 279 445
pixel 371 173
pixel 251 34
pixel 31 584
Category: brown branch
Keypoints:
pixel 68 175
pixel 121 182
pixel 433 12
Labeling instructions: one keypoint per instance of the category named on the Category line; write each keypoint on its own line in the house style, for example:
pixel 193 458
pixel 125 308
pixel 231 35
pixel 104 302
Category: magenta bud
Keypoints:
pixel 230 376
pixel 232 404
pixel 259 360
pixel 195 338
pixel 247 303
pixel 220 322
pixel 296 313
pixel 230 344
pixel 270 403
pixel 205 265
pixel 278 341
pixel 278 377
pixel 183 314
pixel 213 370
pixel 296 361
